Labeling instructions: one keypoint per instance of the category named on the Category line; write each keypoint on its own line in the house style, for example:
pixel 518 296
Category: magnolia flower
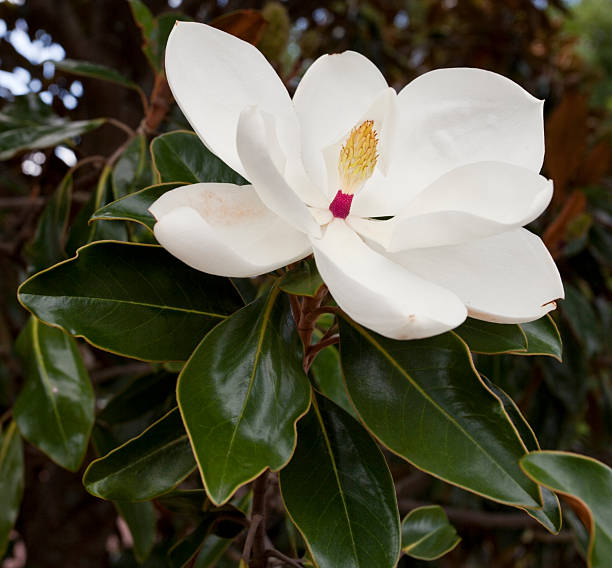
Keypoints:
pixel 413 203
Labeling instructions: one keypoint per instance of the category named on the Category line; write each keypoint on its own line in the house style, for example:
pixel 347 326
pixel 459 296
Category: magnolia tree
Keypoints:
pixel 318 270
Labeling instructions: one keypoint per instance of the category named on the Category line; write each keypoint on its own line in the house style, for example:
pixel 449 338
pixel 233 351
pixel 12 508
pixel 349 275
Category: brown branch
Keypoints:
pixel 273 553
pixel 254 545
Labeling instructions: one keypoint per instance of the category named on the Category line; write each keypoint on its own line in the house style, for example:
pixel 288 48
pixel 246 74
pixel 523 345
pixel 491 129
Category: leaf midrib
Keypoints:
pixel 438 407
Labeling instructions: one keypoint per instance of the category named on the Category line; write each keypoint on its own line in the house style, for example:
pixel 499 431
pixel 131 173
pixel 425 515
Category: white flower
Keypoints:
pixel 451 162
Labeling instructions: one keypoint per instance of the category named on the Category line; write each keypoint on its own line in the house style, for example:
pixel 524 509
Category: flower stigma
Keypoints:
pixel 355 166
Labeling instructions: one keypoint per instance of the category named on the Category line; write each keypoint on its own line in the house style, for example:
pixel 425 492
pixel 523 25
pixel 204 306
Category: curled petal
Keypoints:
pixel 256 142
pixel 379 293
pixel 468 203
pixel 334 94
pixel 214 76
pixel 452 117
pixel 506 278
pixel 225 229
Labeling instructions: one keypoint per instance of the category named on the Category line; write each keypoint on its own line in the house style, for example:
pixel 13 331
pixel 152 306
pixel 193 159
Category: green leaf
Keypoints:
pixel 144 467
pixel 88 69
pixel 181 156
pixel 588 484
pixel 143 17
pixel 339 492
pixel 132 171
pixel 82 231
pixel 55 409
pixel 427 534
pixel 144 394
pixel 15 140
pixel 135 207
pixel 327 373
pixel 550 514
pixel 160 307
pixel 303 280
pixel 184 550
pixel 47 246
pixel 492 338
pixel 431 408
pixel 241 394
pixel 140 519
pixel 11 482
pixel 543 338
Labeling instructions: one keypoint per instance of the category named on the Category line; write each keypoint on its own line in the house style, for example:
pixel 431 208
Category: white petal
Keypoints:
pixel 214 76
pixel 467 203
pixel 506 278
pixel 331 98
pixel 380 294
pixel 225 229
pixel 452 117
pixel 255 141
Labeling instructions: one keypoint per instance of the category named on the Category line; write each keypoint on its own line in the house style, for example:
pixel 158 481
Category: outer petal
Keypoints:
pixel 452 117
pixel 256 144
pixel 380 294
pixel 225 229
pixel 332 96
pixel 214 76
pixel 468 203
pixel 507 278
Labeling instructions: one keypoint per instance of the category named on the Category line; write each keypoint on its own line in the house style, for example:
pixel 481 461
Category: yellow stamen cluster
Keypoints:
pixel 358 157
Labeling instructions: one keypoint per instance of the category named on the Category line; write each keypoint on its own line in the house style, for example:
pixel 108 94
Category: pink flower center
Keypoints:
pixel 341 205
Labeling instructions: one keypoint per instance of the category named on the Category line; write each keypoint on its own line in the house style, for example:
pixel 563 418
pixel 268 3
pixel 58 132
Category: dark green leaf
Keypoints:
pixel 82 231
pixel 55 409
pixel 132 171
pixel 424 400
pixel 135 207
pixel 88 69
pixel 144 394
pixel 160 307
pixel 13 141
pixel 211 551
pixel 158 38
pixel 180 156
pixel 11 481
pixel 184 551
pixel 303 280
pixel 140 519
pixel 47 246
pixel 582 319
pixel 143 17
pixel 589 485
pixel 338 491
pixel 242 392
pixel 427 534
pixel 27 110
pixel 543 338
pixel 492 338
pixel 144 467
pixel 191 502
pixel 550 515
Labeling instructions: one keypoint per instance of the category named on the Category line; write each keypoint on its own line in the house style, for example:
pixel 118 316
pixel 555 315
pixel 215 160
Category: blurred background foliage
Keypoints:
pixel 559 51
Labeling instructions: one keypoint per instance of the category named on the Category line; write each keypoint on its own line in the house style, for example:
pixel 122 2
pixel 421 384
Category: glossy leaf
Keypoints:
pixel 184 551
pixel 135 206
pixel 180 156
pixel 144 467
pixel 140 519
pixel 550 514
pixel 339 492
pixel 492 338
pixel 543 338
pixel 327 373
pixel 96 71
pixel 160 307
pixel 142 16
pixel 47 246
pixel 82 231
pixel 55 409
pixel 241 394
pixel 303 280
pixel 11 481
pixel 427 534
pixel 424 400
pixel 132 171
pixel 588 484
pixel 15 140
